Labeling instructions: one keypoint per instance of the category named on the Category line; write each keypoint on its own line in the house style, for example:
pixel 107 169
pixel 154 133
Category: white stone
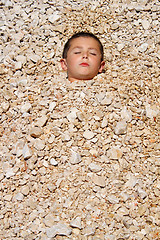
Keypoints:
pixel 39 144
pixel 98 180
pixel 26 152
pixel 52 106
pixel 5 106
pixel 132 181
pixel 121 128
pixel 151 112
pixel 76 223
pixel 94 168
pixel 113 199
pixel 59 229
pixel 145 24
pixel 141 193
pixel 25 190
pixel 104 122
pixel 88 134
pixel 75 157
pixel 54 17
pixel 26 107
pixel 72 115
pixel 34 57
pixel 126 115
pixel 9 173
pixel 115 153
pixel 53 162
pixel 120 46
pixel 41 121
pixel 143 47
pixel 19 196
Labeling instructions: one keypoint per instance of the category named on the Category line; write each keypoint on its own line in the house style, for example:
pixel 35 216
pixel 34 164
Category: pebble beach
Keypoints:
pixel 81 160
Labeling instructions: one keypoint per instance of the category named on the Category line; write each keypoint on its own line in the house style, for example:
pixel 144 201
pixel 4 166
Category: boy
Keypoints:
pixel 82 57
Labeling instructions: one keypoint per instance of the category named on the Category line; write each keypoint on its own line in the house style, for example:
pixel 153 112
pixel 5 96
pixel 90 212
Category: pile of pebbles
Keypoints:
pixel 79 160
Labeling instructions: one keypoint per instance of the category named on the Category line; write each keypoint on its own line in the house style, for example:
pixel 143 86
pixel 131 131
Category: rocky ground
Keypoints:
pixel 80 160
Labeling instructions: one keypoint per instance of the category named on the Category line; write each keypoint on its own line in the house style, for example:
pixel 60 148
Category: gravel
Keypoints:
pixel 79 160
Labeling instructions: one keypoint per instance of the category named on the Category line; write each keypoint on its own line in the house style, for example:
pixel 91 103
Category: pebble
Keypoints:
pixel 121 128
pixel 26 152
pixel 142 48
pixel 53 162
pixel 115 153
pixel 98 180
pixel 76 223
pixel 59 229
pixel 75 157
pixel 41 121
pixel 88 134
pixel 36 132
pixel 26 108
pixel 94 168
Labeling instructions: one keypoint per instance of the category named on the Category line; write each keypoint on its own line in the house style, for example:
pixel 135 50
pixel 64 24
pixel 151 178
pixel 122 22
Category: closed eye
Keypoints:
pixel 94 54
pixel 78 52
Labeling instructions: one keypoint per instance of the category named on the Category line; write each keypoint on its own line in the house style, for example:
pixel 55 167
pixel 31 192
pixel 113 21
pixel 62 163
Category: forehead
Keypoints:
pixel 88 42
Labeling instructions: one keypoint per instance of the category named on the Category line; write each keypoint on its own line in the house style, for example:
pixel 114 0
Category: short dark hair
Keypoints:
pixel 81 34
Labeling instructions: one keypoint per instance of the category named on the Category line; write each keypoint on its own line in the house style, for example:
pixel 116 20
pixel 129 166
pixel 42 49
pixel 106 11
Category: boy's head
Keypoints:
pixel 82 56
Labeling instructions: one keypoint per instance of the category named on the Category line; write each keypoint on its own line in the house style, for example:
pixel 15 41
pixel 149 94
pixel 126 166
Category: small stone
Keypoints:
pixel 88 134
pixel 104 122
pixel 26 108
pixel 132 181
pixel 143 47
pixel 51 139
pixel 39 144
pixel 121 128
pixel 72 115
pixel 36 132
pixel 41 121
pixel 75 157
pixel 18 65
pixel 7 197
pixel 59 229
pixel 113 199
pixel 94 168
pixel 126 115
pixel 9 173
pixel 34 58
pixel 115 26
pixel 89 231
pixel 120 46
pixel 54 17
pixel 26 152
pixel 19 196
pixel 141 193
pixel 145 24
pixel 106 101
pixel 151 112
pixel 52 106
pixel 98 180
pixel 115 153
pixel 76 223
pixel 25 190
pixel 53 162
pixel 5 106
pixel 142 209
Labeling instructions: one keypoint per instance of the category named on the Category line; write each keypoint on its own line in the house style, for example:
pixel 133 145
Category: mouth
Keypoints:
pixel 84 64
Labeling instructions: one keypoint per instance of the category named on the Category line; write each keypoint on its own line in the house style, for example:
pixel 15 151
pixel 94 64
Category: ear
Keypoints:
pixel 101 66
pixel 63 64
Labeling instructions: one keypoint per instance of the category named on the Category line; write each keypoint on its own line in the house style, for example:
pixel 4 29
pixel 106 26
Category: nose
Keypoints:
pixel 85 54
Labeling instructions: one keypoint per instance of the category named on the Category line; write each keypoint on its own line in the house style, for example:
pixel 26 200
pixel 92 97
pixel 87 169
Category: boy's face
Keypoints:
pixel 83 60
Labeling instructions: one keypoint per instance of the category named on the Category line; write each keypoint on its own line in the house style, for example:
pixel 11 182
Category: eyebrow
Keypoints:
pixel 88 48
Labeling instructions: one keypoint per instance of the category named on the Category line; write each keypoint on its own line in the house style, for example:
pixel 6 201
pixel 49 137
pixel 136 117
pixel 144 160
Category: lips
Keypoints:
pixel 84 64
